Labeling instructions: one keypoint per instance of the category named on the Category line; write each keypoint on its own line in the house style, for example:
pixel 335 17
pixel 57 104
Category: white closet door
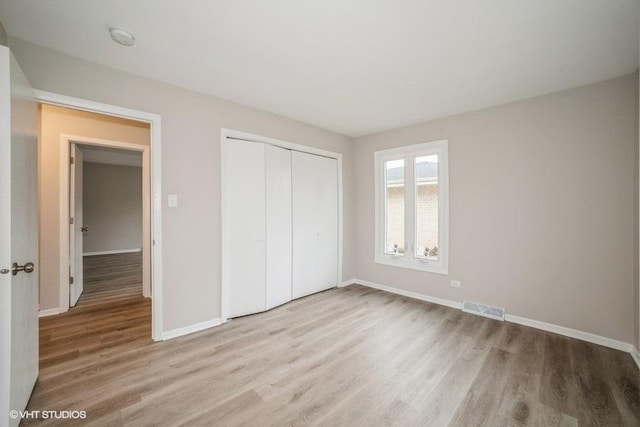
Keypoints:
pixel 315 223
pixel 245 197
pixel 278 175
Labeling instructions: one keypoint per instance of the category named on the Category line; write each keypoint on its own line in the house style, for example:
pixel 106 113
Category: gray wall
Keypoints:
pixel 112 202
pixel 3 35
pixel 541 202
pixel 191 124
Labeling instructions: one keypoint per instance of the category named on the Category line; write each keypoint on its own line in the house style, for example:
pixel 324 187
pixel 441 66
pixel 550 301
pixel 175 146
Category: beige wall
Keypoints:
pixel 191 124
pixel 541 208
pixel 55 121
pixel 112 201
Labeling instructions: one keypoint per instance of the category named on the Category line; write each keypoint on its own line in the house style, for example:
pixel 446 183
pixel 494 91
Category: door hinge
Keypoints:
pixel 72 160
pixel 71 280
pixel 70 220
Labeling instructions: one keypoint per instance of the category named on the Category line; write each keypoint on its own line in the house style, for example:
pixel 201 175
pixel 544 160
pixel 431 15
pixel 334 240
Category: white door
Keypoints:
pixel 245 211
pixel 315 223
pixel 278 208
pixel 18 239
pixel 76 285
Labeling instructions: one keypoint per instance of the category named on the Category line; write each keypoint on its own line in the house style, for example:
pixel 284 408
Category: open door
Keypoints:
pixel 76 229
pixel 18 240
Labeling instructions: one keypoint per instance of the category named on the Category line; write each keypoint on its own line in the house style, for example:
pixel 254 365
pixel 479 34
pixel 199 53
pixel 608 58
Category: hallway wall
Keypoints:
pixel 112 199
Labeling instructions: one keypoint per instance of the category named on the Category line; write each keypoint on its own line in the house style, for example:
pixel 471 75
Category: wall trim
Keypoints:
pixel 196 327
pixel 115 251
pixel 414 295
pixel 49 312
pixel 572 333
pixel 537 324
pixel 347 283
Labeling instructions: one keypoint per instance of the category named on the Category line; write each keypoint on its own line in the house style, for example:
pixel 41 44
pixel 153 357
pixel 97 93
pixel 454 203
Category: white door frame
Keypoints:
pixel 65 152
pixel 155 163
pixel 224 133
pixel 76 269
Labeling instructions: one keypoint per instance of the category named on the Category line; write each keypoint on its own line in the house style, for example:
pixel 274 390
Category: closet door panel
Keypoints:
pixel 278 208
pixel 315 223
pixel 245 196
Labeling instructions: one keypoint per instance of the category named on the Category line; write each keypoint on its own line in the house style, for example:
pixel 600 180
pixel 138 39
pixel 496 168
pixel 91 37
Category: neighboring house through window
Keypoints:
pixel 412 207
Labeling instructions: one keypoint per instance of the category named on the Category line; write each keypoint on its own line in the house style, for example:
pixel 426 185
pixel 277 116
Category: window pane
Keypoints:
pixel 394 207
pixel 426 173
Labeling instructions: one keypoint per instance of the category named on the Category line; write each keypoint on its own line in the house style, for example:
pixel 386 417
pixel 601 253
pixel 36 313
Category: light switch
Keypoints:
pixel 172 200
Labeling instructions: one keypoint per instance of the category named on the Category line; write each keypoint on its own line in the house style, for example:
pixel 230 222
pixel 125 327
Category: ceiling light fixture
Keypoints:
pixel 122 37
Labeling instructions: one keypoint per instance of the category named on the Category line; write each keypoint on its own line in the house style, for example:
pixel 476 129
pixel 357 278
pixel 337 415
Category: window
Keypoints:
pixel 394 206
pixel 412 207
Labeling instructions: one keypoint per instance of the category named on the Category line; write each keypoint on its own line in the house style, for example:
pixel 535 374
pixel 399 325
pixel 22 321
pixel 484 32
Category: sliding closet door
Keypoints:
pixel 245 202
pixel 315 223
pixel 278 185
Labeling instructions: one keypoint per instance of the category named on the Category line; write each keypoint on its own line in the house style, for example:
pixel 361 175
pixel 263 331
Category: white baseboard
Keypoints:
pixel 115 251
pixel 560 330
pixel 49 312
pixel 174 333
pixel 415 295
pixel 347 283
pixel 572 333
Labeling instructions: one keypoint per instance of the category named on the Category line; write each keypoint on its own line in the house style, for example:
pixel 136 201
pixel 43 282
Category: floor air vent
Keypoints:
pixel 483 310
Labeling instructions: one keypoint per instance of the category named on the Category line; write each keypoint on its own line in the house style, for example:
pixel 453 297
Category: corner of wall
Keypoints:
pixel 349 222
pixel 3 36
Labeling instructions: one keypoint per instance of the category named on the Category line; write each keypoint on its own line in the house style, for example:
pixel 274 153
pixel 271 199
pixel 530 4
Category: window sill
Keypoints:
pixel 416 264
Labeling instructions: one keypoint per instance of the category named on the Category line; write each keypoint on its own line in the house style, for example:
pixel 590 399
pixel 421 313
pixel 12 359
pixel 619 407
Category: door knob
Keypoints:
pixel 84 229
pixel 27 268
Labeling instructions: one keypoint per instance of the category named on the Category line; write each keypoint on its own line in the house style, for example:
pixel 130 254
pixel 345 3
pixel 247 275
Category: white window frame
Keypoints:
pixel 409 260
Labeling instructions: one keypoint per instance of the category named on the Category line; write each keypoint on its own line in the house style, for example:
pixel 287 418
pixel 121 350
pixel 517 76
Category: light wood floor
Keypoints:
pixel 111 277
pixel 352 356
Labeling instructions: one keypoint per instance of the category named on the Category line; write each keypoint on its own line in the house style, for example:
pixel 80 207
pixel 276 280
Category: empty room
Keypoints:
pixel 337 213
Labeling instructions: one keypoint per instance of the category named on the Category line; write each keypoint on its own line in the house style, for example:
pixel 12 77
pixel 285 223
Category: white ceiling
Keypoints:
pixel 351 66
pixel 110 156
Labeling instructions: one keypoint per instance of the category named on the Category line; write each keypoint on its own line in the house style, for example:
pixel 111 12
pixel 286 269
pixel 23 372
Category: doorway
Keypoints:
pixel 108 237
pixel 118 139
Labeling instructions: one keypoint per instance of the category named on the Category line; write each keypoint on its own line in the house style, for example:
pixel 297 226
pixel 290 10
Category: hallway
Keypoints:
pixel 109 278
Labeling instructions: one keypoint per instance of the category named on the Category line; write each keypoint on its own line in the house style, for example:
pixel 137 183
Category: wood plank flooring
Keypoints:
pixel 111 277
pixel 345 357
